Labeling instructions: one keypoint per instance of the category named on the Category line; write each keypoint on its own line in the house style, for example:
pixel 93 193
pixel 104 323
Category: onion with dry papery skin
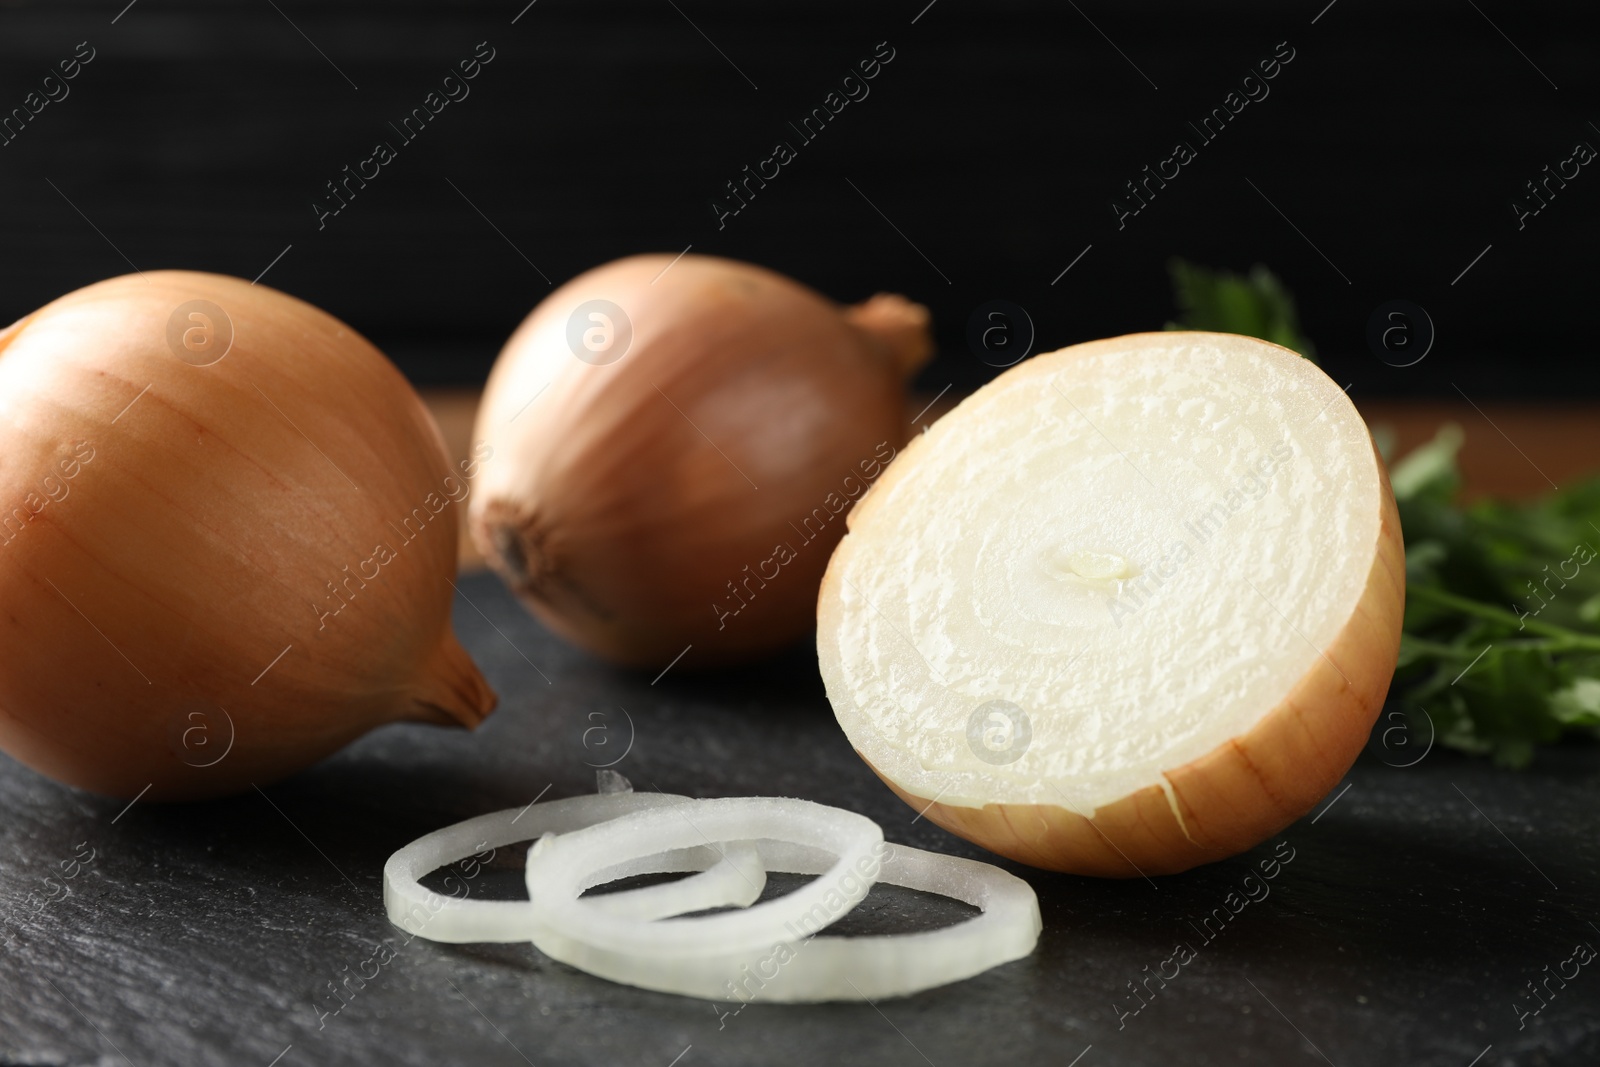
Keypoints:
pixel 675 443
pixel 1131 607
pixel 227 530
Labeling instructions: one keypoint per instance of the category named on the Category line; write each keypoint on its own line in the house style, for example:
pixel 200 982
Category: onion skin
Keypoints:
pixel 623 502
pixel 200 539
pixel 1240 793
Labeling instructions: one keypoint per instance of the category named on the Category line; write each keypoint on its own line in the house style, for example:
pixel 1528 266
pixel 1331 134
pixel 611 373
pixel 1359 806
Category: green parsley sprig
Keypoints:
pixel 1254 304
pixel 1501 647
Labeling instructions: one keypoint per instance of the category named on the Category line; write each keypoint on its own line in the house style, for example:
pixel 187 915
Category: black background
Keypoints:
pixel 1396 140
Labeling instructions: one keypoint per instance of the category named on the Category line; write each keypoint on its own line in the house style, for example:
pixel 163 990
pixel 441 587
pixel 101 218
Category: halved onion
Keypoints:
pixel 560 866
pixel 797 967
pixel 1131 607
pixel 735 879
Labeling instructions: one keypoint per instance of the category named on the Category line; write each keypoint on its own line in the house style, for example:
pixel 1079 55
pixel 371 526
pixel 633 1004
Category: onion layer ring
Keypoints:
pixel 798 967
pixel 561 865
pixel 735 879
pixel 730 875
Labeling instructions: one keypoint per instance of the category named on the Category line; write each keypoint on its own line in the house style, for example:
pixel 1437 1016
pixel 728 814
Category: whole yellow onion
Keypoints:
pixel 227 537
pixel 676 442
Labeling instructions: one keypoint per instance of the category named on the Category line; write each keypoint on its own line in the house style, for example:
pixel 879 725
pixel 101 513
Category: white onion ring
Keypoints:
pixel 730 875
pixel 561 865
pixel 794 969
pixel 735 878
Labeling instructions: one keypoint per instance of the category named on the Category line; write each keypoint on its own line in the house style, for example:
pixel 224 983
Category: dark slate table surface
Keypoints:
pixel 1420 902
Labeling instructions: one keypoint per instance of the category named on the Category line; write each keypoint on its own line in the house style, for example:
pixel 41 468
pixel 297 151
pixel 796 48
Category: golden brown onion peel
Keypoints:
pixel 676 442
pixel 1131 607
pixel 227 532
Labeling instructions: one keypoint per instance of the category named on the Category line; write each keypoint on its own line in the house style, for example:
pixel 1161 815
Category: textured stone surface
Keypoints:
pixel 1403 930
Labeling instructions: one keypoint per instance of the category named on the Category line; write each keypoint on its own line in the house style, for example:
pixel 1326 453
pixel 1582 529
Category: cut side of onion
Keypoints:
pixel 560 866
pixel 794 966
pixel 732 879
pixel 1131 607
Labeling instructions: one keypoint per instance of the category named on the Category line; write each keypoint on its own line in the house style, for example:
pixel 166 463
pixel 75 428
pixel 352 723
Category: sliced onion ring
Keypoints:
pixel 561 865
pixel 731 875
pixel 736 878
pixel 797 967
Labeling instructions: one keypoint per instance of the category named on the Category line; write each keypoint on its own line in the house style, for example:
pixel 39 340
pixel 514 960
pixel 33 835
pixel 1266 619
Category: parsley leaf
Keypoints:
pixel 1256 305
pixel 1501 647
